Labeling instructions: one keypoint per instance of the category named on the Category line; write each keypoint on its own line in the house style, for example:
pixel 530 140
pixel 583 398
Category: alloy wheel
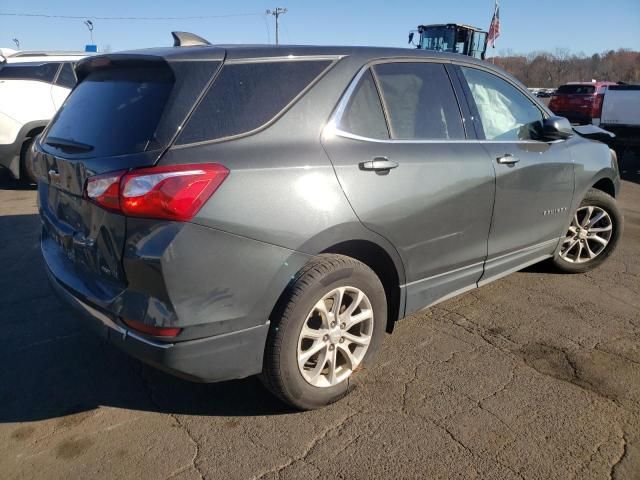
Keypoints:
pixel 335 337
pixel 588 235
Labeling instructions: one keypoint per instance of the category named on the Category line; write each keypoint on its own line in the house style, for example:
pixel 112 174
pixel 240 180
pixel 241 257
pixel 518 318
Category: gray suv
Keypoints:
pixel 220 212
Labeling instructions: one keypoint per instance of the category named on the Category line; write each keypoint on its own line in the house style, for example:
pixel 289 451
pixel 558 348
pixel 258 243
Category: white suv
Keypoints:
pixel 33 85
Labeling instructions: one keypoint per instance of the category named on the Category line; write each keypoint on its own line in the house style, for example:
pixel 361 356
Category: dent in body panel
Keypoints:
pixel 214 277
pixel 592 162
pixel 189 275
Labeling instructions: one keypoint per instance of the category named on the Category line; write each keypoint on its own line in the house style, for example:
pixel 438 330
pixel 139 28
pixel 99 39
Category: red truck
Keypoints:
pixel 580 102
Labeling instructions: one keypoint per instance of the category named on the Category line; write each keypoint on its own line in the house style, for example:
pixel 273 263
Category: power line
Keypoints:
pixel 82 17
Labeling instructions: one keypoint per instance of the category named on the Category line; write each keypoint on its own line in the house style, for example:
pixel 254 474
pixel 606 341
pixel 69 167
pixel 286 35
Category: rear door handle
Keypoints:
pixel 508 159
pixel 378 164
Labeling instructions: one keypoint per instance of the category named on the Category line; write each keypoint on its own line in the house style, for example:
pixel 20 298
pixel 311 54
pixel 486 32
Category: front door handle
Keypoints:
pixel 378 164
pixel 507 159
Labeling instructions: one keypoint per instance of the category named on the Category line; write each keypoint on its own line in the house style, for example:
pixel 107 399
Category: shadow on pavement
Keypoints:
pixel 630 165
pixel 7 183
pixel 53 366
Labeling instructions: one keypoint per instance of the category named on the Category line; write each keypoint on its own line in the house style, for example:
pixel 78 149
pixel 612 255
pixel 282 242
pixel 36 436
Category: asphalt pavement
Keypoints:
pixel 535 376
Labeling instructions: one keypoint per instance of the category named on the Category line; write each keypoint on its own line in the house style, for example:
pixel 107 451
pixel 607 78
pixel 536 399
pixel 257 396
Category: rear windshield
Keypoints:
pixel 43 72
pixel 112 112
pixel 246 96
pixel 577 89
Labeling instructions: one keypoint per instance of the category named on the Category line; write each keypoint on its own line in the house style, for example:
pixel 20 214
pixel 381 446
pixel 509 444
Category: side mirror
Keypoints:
pixel 556 128
pixel 411 34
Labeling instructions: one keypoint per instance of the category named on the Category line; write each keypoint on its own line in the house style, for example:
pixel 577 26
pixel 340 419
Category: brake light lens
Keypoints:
pixel 149 330
pixel 173 192
pixel 104 190
pixel 596 106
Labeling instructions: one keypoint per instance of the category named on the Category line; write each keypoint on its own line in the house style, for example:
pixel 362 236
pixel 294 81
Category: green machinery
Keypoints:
pixel 451 37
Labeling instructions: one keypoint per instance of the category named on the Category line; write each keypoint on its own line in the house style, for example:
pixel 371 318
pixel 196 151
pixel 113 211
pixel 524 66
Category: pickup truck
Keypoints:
pixel 621 115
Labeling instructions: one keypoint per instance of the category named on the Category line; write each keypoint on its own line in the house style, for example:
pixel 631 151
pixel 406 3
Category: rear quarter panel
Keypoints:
pixel 282 188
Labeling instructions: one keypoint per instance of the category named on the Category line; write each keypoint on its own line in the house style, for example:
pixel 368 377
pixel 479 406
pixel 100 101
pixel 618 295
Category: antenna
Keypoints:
pixel 187 39
pixel 276 13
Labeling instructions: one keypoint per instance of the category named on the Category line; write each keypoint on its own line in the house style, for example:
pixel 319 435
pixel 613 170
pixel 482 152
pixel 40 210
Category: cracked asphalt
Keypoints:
pixel 536 376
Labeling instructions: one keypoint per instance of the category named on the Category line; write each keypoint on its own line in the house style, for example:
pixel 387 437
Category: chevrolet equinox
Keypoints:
pixel 226 211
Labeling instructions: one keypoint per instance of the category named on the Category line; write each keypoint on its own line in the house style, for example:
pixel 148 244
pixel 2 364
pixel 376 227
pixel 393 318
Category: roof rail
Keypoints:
pixel 38 53
pixel 186 39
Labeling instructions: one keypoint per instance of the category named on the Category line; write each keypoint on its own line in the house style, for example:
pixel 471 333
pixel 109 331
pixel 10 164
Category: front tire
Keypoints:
pixel 329 325
pixel 593 235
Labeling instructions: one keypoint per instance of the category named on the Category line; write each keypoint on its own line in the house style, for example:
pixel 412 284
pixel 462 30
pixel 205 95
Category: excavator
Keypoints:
pixel 451 37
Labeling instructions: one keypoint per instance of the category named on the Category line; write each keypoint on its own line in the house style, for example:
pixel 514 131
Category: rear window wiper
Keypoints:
pixel 65 143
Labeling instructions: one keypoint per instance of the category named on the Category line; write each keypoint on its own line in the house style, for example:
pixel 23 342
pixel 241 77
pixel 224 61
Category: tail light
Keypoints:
pixel 173 192
pixel 596 106
pixel 149 330
pixel 104 190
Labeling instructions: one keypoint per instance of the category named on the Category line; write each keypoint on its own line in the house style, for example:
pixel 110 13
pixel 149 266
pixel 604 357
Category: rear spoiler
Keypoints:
pixel 111 60
pixel 151 56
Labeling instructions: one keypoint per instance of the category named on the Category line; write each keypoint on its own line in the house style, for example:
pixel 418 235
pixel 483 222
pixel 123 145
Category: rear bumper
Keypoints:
pixel 222 357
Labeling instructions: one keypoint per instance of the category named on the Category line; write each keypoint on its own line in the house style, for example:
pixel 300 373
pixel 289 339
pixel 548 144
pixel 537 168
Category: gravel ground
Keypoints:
pixel 534 376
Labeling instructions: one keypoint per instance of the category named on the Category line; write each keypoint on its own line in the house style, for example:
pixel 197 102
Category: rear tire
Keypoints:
pixel 306 322
pixel 593 236
pixel 26 168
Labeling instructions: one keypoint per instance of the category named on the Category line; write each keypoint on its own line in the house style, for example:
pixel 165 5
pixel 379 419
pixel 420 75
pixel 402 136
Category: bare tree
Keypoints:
pixel 545 69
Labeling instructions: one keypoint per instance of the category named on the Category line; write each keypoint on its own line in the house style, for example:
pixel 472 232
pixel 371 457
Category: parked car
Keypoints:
pixel 232 211
pixel 580 102
pixel 33 85
pixel 621 116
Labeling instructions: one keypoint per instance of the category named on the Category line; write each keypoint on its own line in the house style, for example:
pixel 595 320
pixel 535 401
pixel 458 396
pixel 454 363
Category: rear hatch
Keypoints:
pixel 123 114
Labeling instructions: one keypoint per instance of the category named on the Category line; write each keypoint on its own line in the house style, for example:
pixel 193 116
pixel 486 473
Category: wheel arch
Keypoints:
pixel 378 260
pixel 35 130
pixel 354 240
pixel 606 185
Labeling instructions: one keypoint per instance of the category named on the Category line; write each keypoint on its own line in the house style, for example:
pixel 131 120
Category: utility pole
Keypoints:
pixel 276 13
pixel 89 25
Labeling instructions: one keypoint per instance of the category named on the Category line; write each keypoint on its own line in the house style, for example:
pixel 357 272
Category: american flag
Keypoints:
pixel 494 29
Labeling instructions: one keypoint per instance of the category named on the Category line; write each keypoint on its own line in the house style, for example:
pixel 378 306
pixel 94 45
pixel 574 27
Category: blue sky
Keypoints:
pixel 581 26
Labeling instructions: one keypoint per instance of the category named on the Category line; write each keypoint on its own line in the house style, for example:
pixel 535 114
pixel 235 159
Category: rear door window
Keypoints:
pixel 43 72
pixel 246 96
pixel 364 115
pixel 111 112
pixel 66 77
pixel 420 101
pixel 577 89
